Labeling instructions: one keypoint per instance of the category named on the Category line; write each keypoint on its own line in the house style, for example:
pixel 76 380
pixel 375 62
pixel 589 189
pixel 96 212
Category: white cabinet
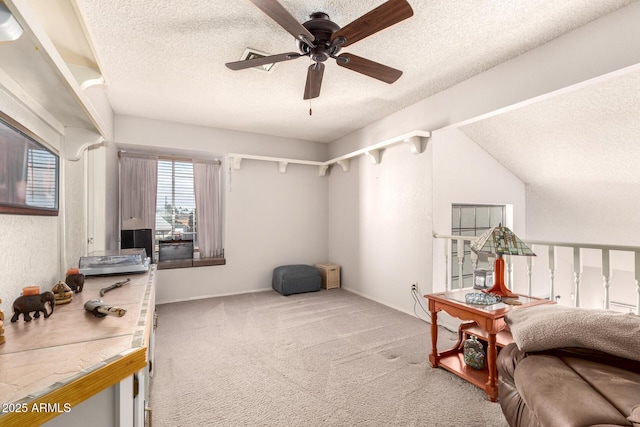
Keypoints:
pixel 73 369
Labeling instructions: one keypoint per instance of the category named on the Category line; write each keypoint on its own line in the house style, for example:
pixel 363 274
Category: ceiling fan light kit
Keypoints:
pixel 319 38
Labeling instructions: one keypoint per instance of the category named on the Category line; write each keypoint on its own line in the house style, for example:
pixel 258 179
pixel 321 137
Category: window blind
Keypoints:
pixel 175 201
pixel 41 188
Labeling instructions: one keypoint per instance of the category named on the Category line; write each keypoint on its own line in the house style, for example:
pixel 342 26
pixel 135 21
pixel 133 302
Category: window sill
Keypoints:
pixel 188 263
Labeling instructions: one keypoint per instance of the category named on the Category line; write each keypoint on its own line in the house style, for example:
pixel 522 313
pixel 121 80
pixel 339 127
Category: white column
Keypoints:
pixel 552 273
pixel 460 261
pixel 577 272
pixel 447 250
pixel 637 275
pixel 530 273
pixel 474 260
pixel 606 276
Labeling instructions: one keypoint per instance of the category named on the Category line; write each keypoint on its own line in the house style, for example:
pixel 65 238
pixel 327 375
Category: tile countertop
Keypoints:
pixel 45 355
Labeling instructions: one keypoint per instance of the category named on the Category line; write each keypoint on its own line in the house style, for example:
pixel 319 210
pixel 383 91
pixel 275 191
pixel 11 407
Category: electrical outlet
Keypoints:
pixel 414 286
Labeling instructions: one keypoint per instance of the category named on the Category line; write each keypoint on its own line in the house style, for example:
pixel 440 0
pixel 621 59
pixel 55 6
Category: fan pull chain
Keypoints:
pixel 310 110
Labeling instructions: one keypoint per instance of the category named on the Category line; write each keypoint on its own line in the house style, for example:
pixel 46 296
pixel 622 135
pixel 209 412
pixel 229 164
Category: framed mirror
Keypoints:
pixel 28 173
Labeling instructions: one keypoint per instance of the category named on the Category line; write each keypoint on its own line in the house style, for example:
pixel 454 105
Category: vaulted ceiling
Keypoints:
pixel 166 60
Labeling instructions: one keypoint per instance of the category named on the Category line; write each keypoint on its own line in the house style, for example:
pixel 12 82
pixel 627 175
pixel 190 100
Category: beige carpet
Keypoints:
pixel 328 358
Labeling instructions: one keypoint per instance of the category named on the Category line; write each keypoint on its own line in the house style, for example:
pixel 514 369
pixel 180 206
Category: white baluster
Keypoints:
pixel 447 250
pixel 509 262
pixel 577 272
pixel 637 274
pixel 474 260
pixel 530 273
pixel 552 273
pixel 460 261
pixel 606 276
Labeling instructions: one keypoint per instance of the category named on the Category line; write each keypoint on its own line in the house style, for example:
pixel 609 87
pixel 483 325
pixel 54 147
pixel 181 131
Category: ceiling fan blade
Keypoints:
pixel 278 13
pixel 383 16
pixel 314 80
pixel 368 67
pixel 256 62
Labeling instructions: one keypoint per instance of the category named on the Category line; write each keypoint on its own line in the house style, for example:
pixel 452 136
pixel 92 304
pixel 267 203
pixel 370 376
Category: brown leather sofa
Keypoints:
pixel 568 387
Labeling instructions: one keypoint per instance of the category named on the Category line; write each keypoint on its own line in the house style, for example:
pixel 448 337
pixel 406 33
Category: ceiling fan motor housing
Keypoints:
pixel 322 29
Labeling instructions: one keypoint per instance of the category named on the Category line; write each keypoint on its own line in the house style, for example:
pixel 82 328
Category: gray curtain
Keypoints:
pixel 208 189
pixel 138 188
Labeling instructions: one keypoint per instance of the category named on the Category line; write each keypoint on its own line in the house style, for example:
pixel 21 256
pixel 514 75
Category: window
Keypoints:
pixel 471 220
pixel 28 173
pixel 175 202
pixel 181 199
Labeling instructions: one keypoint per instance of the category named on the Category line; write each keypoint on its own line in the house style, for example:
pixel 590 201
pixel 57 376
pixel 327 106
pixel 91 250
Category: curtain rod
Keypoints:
pixel 162 157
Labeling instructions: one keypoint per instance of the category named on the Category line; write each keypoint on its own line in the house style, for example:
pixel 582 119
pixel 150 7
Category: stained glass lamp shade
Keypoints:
pixel 499 241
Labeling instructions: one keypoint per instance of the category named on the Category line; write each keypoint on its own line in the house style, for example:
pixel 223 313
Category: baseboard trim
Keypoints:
pixel 227 294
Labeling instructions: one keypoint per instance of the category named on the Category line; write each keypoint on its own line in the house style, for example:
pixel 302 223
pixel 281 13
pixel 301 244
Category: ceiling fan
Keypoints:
pixel 320 39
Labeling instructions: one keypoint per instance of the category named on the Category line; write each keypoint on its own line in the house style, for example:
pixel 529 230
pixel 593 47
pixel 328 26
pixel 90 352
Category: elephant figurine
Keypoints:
pixel 27 303
pixel 75 280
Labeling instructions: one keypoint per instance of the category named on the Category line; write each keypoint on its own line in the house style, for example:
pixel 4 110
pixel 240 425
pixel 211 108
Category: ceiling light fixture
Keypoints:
pixel 10 30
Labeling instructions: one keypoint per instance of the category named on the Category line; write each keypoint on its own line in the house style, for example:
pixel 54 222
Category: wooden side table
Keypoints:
pixel 484 322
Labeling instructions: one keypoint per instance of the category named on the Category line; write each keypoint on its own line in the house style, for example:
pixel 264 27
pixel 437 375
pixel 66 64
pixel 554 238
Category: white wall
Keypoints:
pixel 380 225
pixel 30 245
pixel 272 219
pixel 381 217
pixel 75 215
pixel 607 213
pixel 464 173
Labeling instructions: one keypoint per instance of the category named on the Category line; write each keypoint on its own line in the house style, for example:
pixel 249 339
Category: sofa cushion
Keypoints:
pixel 552 326
pixel 620 386
pixel 635 416
pixel 558 396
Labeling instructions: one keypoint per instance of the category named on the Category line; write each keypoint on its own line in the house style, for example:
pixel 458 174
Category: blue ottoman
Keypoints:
pixel 296 279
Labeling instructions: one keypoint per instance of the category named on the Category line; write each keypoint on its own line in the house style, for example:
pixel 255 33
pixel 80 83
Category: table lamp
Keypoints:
pixel 499 241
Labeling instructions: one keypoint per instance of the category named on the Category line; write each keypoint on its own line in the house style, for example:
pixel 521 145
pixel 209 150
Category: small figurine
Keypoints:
pixel 75 280
pixel 62 292
pixel 25 304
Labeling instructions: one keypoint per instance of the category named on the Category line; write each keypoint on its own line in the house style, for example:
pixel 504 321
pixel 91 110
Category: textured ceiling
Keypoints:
pixel 165 60
pixel 586 136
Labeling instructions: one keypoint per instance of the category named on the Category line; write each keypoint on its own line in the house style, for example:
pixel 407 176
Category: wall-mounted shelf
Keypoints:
pixel 415 139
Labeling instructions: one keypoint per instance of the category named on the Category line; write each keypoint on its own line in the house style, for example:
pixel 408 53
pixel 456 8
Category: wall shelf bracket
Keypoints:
pixel 416 143
pixel 78 140
pixel 374 155
pixel 345 164
pixel 322 170
pixel 236 162
pixel 282 166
